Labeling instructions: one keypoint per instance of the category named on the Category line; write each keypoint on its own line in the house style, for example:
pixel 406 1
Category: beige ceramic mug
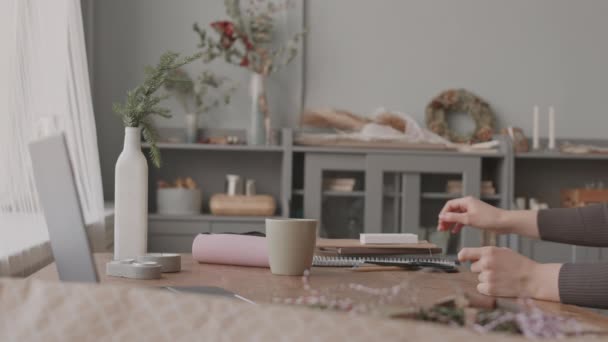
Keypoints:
pixel 291 245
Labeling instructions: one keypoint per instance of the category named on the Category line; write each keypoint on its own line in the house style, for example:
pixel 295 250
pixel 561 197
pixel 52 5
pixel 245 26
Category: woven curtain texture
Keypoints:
pixel 44 89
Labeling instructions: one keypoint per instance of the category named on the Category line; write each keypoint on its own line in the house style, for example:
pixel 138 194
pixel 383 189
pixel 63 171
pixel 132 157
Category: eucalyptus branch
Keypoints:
pixel 151 136
pixel 180 85
pixel 285 54
pixel 141 102
pixel 233 10
pixel 206 81
pixel 186 89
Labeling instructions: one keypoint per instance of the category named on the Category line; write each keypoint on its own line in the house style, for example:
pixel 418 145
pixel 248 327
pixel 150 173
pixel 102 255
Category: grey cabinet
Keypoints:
pixel 406 190
pixel 208 165
pixel 174 235
pixel 337 211
pixel 542 175
pixel 394 191
pixel 238 227
pixel 543 251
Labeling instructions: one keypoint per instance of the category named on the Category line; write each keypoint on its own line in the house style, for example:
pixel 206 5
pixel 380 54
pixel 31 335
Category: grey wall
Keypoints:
pixel 361 54
pixel 131 34
pixel 517 53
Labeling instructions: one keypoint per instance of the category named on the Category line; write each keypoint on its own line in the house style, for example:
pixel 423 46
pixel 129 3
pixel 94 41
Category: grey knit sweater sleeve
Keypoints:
pixel 586 226
pixel 579 284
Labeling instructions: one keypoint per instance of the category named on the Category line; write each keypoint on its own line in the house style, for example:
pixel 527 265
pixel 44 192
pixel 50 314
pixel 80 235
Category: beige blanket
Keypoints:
pixel 40 311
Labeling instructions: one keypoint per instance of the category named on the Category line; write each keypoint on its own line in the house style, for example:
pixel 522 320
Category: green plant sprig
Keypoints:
pixel 207 81
pixel 199 91
pixel 141 102
pixel 180 85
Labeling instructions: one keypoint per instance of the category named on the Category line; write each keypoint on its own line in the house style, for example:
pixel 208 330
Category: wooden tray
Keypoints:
pixel 311 140
pixel 258 205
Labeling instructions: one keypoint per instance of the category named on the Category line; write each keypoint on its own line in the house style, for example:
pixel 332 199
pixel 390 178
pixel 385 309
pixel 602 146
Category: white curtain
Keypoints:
pixel 44 88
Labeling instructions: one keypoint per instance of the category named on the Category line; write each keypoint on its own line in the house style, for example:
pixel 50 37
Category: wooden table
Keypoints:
pixel 259 285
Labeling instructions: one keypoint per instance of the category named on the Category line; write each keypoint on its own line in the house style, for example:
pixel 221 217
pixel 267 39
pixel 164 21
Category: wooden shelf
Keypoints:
pixel 448 196
pixel 439 195
pixel 359 150
pixel 211 147
pixel 559 155
pixel 328 193
pixel 391 194
pixel 207 217
pixel 424 195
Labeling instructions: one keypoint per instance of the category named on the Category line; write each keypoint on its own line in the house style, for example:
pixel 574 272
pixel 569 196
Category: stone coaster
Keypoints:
pixel 129 268
pixel 170 262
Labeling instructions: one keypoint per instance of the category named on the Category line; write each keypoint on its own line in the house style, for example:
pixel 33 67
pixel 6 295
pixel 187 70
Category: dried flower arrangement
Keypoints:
pixel 480 314
pixel 246 40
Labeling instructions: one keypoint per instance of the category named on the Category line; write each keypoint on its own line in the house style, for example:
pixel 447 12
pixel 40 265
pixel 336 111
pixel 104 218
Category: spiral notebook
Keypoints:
pixel 441 264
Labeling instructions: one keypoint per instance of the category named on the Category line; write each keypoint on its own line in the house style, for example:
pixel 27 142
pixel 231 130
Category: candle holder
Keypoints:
pixel 550 146
pixel 535 129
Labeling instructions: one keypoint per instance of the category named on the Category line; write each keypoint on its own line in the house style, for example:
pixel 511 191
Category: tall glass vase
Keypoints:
pixel 191 128
pixel 259 128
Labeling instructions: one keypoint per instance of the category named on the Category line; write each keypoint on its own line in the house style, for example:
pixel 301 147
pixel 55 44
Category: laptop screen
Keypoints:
pixel 58 196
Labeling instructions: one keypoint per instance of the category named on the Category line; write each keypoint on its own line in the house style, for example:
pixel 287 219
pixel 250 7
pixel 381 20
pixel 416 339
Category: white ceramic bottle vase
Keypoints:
pixel 131 198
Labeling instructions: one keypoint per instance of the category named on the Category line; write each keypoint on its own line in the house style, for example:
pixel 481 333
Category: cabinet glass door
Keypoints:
pixel 343 204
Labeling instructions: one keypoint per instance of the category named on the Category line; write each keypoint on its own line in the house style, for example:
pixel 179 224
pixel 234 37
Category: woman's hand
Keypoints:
pixel 469 211
pixel 504 273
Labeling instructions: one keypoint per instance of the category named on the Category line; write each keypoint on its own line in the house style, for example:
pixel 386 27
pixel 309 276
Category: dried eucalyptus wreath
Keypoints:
pixel 460 101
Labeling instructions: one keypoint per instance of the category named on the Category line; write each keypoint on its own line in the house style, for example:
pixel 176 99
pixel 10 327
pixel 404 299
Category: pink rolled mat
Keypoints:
pixel 230 249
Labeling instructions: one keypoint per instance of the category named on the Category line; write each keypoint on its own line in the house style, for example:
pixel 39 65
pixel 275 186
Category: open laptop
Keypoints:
pixel 58 195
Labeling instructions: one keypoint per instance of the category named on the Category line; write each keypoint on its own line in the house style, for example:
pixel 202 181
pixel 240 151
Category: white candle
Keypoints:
pixel 535 141
pixel 551 128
